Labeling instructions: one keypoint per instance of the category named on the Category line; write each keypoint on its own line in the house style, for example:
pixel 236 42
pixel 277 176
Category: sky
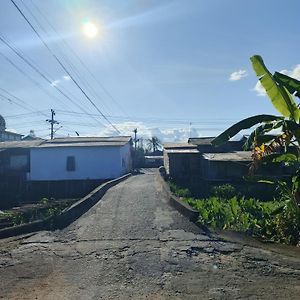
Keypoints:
pixel 173 69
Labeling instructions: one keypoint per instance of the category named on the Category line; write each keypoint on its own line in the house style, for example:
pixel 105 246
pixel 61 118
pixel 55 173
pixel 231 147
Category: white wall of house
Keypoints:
pixel 90 163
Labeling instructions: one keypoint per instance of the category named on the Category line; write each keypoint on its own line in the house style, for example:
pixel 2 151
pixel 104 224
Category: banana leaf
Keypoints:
pixel 279 95
pixel 291 84
pixel 259 134
pixel 244 124
pixel 281 157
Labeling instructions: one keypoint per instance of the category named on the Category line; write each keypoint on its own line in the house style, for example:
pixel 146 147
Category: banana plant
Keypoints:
pixel 280 88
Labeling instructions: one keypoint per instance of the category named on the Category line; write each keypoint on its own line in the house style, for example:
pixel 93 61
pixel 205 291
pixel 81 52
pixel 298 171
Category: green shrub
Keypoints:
pixel 179 191
pixel 225 191
pixel 271 220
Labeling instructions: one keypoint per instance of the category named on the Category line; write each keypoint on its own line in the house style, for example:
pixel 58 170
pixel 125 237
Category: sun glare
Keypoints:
pixel 90 30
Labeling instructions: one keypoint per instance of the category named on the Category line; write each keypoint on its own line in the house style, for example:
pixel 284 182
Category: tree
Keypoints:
pixel 154 143
pixel 269 147
pixel 264 142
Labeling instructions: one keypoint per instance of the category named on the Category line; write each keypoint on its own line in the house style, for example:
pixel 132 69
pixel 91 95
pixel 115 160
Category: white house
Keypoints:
pixel 80 158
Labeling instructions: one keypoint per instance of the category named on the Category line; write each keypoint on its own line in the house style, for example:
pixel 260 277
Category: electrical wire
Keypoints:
pixel 63 66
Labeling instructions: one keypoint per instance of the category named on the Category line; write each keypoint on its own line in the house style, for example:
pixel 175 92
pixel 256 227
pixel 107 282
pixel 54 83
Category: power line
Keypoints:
pixel 27 61
pixel 29 77
pixel 77 57
pixel 63 66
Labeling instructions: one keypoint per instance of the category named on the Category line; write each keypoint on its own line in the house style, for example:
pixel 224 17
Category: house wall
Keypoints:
pixel 166 162
pixel 183 165
pixel 50 164
pixel 223 170
pixel 126 159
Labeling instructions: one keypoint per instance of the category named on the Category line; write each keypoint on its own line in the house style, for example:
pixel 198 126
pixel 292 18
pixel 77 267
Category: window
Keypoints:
pixel 71 163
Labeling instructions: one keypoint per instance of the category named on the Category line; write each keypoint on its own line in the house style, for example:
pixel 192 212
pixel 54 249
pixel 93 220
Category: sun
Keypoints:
pixel 90 29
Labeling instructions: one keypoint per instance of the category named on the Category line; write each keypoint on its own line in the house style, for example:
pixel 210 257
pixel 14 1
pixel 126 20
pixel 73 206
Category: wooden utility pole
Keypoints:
pixel 135 142
pixel 135 139
pixel 52 122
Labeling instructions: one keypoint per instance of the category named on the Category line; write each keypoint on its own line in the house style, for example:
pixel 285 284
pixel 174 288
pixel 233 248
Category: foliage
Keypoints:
pixel 278 93
pixel 179 191
pixel 225 191
pixel 277 87
pixel 154 143
pixel 260 219
pixel 42 211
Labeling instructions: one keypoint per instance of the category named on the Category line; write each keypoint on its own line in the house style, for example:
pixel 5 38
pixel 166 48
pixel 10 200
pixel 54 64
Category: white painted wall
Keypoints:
pixel 90 163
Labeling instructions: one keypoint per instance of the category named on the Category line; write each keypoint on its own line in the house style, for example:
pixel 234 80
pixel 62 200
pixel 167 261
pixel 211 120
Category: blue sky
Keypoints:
pixel 161 66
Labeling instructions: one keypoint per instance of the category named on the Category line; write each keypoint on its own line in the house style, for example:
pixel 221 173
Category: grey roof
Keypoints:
pixel 89 139
pixel 68 142
pixel 201 140
pixel 20 144
pixel 182 151
pixel 179 146
pixel 244 156
pixel 86 142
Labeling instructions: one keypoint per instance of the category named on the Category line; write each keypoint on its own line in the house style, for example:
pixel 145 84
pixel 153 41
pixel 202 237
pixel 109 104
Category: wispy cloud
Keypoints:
pixel 56 82
pixel 66 77
pixel 260 91
pixel 295 73
pixel 164 134
pixel 238 75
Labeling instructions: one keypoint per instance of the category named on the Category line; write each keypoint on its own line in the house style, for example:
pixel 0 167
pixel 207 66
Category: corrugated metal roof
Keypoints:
pixel 82 144
pixel 69 142
pixel 20 144
pixel 182 151
pixel 229 156
pixel 201 140
pixel 179 145
pixel 89 139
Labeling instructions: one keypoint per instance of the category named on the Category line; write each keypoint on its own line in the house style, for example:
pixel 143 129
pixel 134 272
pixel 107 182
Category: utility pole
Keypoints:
pixel 52 122
pixel 135 141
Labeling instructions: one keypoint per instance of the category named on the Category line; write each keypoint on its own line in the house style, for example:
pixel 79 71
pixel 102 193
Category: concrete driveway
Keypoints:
pixel 133 245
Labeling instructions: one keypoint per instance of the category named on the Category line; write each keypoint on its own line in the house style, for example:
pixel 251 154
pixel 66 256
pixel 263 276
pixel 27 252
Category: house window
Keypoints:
pixel 71 163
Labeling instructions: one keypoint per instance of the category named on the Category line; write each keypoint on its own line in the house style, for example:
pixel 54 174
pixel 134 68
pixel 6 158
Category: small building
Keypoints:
pixel 80 158
pixel 77 158
pixel 195 160
pixel 181 160
pixel 60 168
pixel 7 135
pixel 15 158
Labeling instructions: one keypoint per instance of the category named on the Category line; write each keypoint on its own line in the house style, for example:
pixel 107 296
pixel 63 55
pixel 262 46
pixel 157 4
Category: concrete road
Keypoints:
pixel 133 245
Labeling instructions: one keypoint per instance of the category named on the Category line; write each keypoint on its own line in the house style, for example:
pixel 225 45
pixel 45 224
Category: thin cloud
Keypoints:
pixel 164 134
pixel 295 73
pixel 260 91
pixel 58 81
pixel 238 75
pixel 55 82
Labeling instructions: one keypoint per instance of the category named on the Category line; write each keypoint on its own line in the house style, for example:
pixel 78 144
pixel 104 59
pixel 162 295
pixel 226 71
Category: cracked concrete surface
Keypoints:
pixel 133 245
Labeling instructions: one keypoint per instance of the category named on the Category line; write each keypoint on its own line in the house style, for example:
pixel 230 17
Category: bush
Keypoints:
pixel 270 220
pixel 179 191
pixel 225 191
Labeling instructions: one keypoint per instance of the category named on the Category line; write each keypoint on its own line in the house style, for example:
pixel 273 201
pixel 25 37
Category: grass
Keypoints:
pixel 225 208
